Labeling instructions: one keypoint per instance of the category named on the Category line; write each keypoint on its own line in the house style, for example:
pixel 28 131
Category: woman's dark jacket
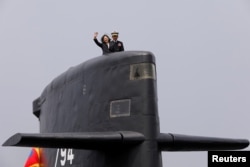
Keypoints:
pixel 104 46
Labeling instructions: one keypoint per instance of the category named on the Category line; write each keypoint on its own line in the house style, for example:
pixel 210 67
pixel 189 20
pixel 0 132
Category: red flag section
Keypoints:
pixel 34 158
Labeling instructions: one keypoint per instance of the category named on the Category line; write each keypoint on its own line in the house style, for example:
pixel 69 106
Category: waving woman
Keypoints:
pixel 104 44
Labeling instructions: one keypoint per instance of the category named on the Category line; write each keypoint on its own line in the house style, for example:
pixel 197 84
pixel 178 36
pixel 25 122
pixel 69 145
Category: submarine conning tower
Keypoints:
pixel 103 94
pixel 114 92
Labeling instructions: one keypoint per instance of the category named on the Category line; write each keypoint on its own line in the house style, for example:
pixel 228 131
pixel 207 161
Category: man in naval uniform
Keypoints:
pixel 115 45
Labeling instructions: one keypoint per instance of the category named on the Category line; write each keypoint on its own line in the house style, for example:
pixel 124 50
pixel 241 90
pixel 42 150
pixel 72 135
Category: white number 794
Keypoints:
pixel 65 155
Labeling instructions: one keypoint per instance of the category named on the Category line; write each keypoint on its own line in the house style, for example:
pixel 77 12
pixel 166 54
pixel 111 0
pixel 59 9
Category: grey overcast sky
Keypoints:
pixel 202 50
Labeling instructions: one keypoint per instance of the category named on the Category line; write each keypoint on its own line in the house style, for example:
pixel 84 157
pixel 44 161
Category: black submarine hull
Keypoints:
pixel 115 92
pixel 104 113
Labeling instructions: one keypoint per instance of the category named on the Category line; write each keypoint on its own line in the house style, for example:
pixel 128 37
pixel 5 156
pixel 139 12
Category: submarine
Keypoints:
pixel 104 113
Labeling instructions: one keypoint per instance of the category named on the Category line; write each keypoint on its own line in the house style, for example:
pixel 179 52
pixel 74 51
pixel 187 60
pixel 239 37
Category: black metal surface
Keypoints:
pixel 87 140
pixel 178 142
pixel 93 106
pixel 80 100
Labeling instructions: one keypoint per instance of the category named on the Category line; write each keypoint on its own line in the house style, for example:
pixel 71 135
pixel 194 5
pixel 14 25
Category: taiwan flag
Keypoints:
pixel 34 158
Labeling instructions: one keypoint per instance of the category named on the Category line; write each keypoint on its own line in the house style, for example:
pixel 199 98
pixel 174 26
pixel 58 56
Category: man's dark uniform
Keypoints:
pixel 116 46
